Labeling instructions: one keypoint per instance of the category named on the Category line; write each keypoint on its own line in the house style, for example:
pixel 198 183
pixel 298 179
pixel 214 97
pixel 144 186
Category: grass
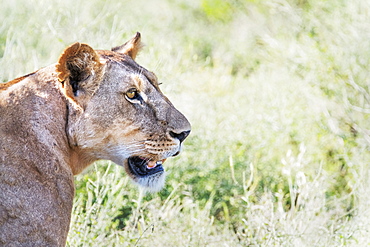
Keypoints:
pixel 277 92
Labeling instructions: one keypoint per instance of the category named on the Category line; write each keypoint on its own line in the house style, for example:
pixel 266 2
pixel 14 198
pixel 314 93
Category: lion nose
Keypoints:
pixel 180 136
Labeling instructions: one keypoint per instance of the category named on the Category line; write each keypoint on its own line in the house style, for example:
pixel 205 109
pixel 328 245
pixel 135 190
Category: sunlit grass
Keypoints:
pixel 278 96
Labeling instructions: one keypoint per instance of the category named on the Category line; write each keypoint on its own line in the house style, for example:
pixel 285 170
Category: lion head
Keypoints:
pixel 117 112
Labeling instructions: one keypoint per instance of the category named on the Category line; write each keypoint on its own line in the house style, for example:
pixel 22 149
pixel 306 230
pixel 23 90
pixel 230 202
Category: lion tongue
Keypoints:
pixel 151 164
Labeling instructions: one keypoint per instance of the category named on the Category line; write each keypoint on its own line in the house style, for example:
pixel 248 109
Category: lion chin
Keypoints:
pixel 148 174
pixel 152 183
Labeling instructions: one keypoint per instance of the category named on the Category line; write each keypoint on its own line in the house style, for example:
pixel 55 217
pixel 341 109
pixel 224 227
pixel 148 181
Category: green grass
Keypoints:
pixel 278 95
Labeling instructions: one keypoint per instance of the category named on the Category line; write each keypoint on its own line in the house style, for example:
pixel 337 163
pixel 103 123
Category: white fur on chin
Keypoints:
pixel 152 183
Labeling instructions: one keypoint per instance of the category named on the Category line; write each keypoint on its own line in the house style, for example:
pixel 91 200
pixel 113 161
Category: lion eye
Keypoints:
pixel 132 93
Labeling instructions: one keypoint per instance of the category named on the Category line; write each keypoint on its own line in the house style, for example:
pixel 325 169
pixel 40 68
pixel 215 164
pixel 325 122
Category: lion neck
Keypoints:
pixel 35 156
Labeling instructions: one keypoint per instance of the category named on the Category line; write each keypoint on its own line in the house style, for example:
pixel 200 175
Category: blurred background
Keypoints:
pixel 278 95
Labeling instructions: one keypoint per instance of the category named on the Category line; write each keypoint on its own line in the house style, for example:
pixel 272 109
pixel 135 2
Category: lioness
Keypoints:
pixel 56 121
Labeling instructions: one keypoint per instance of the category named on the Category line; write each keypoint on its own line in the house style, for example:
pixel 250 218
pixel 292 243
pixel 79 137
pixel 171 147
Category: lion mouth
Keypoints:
pixel 143 167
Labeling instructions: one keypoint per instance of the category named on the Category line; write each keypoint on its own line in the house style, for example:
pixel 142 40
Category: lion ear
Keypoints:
pixel 77 63
pixel 131 47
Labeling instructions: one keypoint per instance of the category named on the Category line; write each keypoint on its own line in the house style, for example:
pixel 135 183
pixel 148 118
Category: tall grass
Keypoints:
pixel 277 92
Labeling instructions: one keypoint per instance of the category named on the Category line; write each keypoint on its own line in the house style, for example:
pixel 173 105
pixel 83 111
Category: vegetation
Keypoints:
pixel 278 95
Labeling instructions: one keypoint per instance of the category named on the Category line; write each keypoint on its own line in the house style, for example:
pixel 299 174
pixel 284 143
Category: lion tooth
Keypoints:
pixel 151 164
